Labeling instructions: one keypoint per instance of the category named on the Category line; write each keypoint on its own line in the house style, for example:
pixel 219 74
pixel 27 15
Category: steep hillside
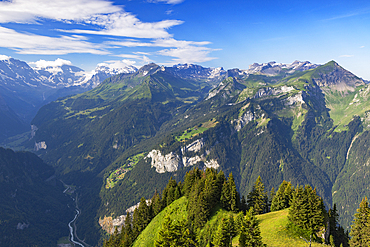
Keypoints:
pixel 272 226
pixel 34 210
pixel 298 122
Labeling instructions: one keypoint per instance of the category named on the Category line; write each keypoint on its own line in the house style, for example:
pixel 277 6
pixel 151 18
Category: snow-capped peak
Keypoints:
pixel 273 67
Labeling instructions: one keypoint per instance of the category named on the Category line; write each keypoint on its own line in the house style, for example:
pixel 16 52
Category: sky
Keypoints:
pixel 211 33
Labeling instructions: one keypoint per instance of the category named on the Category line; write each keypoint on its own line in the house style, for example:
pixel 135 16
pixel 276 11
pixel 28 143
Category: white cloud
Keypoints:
pixel 362 46
pixel 349 14
pixel 190 54
pixel 167 1
pixel 127 25
pixel 117 64
pixel 183 51
pixel 100 17
pixel 170 42
pixel 28 11
pixel 44 64
pixel 38 44
pixel 4 57
pixel 107 18
pixel 346 56
pixel 140 56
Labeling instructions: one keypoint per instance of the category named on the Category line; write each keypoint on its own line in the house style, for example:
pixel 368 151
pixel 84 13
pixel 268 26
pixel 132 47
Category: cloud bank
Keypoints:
pixel 84 20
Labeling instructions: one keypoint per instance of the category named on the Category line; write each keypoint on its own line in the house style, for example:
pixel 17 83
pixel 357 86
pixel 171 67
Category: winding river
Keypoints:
pixel 71 229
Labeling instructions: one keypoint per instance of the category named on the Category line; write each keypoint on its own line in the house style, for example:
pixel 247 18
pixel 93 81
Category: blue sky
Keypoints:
pixel 212 33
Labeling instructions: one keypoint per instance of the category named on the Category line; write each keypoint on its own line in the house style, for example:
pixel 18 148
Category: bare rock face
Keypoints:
pixel 164 163
pixel 268 91
pixel 40 145
pixel 109 224
pixel 193 147
pixel 243 120
pixel 172 162
pixel 212 164
pixel 294 99
pixel 339 78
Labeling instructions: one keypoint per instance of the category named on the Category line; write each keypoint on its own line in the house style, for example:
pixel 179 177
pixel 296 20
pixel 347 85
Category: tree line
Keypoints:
pixel 208 190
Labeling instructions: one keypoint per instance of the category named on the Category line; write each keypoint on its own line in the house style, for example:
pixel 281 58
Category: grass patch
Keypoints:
pixel 119 173
pixel 262 122
pixel 344 105
pixel 194 131
pixel 85 112
pixel 177 210
pixel 274 232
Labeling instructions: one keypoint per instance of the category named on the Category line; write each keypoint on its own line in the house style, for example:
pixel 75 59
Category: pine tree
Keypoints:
pixel 307 210
pixel 221 238
pixel 335 230
pixel 190 179
pixel 141 218
pixel 234 195
pixel 225 232
pixel 360 228
pixel 127 234
pixel 114 240
pixel 271 197
pixel 257 198
pixel 174 234
pixel 250 234
pixel 283 197
pixel 225 196
pixel 156 203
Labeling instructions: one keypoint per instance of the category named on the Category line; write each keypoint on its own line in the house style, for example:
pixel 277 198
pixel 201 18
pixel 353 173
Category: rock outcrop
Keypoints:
pixel 172 162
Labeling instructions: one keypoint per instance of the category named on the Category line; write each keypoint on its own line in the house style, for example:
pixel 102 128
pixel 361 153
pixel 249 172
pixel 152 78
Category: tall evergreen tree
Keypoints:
pixel 234 195
pixel 249 233
pixel 270 198
pixel 283 197
pixel 257 198
pixel 156 203
pixel 360 228
pixel 174 234
pixel 114 240
pixel 225 196
pixel 225 232
pixel 127 234
pixel 335 230
pixel 307 210
pixel 141 217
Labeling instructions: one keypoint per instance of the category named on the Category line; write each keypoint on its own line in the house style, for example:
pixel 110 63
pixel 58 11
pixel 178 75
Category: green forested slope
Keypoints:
pixel 33 209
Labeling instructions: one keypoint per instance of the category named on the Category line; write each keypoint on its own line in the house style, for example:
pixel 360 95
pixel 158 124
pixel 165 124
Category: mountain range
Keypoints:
pixel 24 89
pixel 124 138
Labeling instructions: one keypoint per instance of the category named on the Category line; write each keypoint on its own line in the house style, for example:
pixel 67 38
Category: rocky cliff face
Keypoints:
pixel 338 78
pixel 172 162
pixel 268 91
